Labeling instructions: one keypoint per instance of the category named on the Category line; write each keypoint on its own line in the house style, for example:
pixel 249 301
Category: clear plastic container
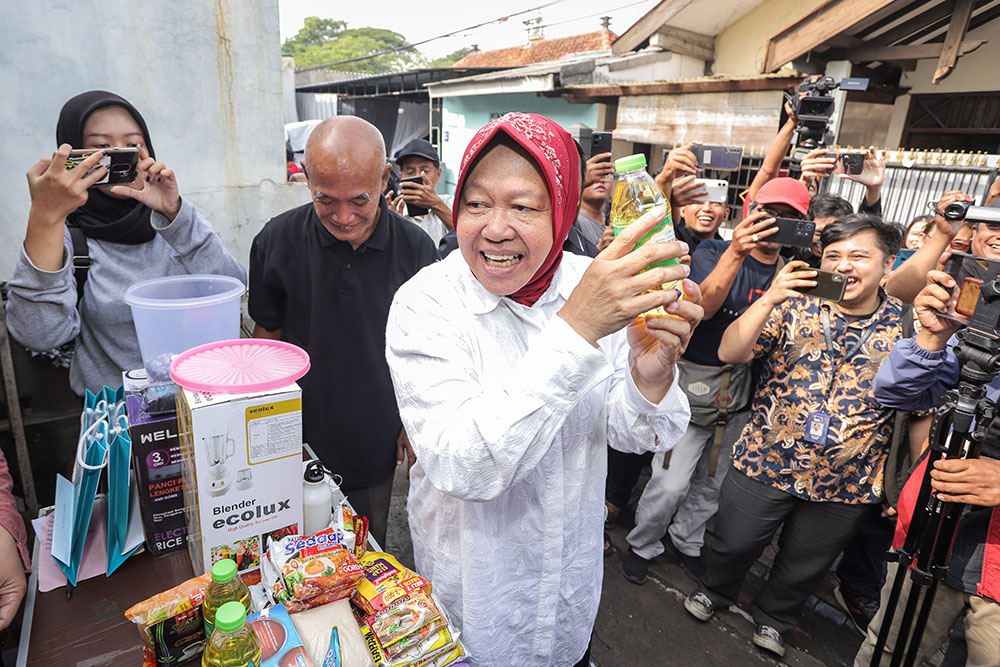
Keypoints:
pixel 234 643
pixel 226 586
pixel 175 313
pixel 636 193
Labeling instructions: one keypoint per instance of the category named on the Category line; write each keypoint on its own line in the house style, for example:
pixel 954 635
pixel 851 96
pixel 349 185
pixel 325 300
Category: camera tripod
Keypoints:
pixel 961 425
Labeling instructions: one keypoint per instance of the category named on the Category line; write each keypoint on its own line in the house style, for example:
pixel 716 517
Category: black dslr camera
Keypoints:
pixel 816 107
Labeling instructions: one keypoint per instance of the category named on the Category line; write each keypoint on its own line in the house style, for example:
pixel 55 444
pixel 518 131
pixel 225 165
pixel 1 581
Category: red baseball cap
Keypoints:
pixel 785 190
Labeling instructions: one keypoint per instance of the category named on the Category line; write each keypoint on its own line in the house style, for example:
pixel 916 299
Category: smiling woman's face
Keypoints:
pixel 505 220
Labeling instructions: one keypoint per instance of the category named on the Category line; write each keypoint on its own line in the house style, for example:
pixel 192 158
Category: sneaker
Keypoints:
pixel 699 605
pixel 860 610
pixel 608 547
pixel 769 639
pixel 613 513
pixel 634 568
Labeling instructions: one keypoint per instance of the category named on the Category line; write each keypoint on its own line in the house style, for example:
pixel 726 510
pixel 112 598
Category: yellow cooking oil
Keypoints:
pixel 636 193
pixel 233 642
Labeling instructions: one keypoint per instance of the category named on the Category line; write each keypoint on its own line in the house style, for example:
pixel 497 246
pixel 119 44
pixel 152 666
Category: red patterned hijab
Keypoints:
pixel 554 151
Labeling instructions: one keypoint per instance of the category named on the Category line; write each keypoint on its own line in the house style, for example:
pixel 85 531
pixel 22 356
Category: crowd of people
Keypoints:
pixel 519 382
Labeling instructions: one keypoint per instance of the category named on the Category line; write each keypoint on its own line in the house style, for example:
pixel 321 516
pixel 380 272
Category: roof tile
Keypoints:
pixel 539 50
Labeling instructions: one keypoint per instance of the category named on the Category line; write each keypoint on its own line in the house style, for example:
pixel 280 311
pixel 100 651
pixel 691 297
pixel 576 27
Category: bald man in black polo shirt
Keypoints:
pixel 322 276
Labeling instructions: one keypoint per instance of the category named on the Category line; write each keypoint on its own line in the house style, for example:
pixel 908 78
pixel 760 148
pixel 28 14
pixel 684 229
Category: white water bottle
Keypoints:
pixel 317 499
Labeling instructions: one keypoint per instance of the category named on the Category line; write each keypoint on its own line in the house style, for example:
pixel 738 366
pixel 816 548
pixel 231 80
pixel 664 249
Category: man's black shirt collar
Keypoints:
pixel 378 239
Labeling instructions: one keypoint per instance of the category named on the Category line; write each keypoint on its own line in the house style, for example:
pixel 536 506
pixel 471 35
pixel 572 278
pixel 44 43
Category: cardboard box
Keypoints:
pixel 156 459
pixel 241 456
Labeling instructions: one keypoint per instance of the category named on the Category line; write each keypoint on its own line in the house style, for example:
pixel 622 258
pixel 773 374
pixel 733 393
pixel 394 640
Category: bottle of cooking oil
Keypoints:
pixel 225 587
pixel 636 193
pixel 234 643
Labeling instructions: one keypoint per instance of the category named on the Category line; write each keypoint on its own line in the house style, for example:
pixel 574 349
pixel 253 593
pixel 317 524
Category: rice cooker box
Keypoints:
pixel 241 458
pixel 156 459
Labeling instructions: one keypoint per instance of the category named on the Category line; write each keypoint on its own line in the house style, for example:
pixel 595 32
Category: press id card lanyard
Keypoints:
pixel 818 421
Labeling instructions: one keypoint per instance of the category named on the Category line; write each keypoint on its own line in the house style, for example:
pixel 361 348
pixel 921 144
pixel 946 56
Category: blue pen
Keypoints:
pixel 333 658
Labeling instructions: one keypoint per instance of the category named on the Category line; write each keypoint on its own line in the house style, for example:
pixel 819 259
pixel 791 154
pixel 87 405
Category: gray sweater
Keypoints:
pixel 42 311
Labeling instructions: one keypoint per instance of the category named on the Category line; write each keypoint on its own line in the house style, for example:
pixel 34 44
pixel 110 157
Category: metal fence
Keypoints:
pixel 912 179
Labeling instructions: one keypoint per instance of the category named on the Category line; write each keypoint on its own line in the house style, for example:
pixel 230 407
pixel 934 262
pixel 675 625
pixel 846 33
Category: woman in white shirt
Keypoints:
pixel 513 368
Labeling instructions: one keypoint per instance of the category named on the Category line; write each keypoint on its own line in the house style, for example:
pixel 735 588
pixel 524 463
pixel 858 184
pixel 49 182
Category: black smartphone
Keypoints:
pixel 122 164
pixel 792 232
pixel 600 142
pixel 848 163
pixel 829 286
pixel 413 210
pixel 723 158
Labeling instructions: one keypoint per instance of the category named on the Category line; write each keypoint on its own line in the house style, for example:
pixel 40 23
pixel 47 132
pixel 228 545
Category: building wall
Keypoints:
pixel 973 72
pixel 205 75
pixel 463 116
pixel 739 49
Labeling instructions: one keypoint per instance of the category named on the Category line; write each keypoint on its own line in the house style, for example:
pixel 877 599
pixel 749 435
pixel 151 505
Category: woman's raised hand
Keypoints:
pixel 57 191
pixel 157 186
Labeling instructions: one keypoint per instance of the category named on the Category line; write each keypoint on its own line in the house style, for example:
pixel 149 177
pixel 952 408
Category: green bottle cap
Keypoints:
pixel 230 616
pixel 630 162
pixel 224 570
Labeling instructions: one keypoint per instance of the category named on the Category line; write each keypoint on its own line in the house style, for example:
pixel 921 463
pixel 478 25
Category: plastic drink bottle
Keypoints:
pixel 636 193
pixel 317 499
pixel 234 643
pixel 226 586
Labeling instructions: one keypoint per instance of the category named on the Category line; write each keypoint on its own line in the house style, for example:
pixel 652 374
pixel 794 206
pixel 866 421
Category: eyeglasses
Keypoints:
pixel 792 213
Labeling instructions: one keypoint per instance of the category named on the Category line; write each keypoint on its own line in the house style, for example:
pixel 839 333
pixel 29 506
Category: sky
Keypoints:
pixel 417 21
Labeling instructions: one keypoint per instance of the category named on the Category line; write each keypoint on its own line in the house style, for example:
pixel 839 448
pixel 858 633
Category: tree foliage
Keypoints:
pixel 322 41
pixel 451 58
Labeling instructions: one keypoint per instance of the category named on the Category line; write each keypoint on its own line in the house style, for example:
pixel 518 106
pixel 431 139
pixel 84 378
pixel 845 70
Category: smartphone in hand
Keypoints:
pixel 600 142
pixel 122 164
pixel 829 286
pixel 722 158
pixel 792 232
pixel 413 210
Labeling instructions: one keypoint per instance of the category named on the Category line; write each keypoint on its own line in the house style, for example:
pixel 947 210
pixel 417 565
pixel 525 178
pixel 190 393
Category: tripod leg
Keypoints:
pixel 904 625
pixel 888 613
pixel 918 629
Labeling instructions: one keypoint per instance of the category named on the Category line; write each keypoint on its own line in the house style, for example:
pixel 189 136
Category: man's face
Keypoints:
pixel 821 223
pixel 862 261
pixel 420 166
pixel 986 240
pixel 776 211
pixel 704 218
pixel 598 193
pixel 346 200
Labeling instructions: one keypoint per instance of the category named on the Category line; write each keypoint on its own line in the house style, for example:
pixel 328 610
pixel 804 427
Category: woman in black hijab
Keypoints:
pixel 133 232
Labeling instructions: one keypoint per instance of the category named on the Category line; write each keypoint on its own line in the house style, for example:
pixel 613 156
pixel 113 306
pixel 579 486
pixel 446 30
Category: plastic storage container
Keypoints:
pixel 175 313
pixel 635 194
pixel 226 587
pixel 234 643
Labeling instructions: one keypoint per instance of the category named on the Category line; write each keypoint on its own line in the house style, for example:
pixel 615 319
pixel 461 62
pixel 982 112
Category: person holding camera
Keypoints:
pixel 811 459
pixel 915 376
pixel 419 171
pixel 125 233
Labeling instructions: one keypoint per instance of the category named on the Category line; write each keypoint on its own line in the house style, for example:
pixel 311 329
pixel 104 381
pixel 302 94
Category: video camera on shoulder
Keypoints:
pixel 814 109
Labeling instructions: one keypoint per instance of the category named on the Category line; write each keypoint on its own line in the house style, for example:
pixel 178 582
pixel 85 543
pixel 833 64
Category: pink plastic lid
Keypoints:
pixel 240 366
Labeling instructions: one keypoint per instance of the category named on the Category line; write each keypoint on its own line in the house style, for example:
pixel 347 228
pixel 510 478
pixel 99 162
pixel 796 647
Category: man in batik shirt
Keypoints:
pixel 811 459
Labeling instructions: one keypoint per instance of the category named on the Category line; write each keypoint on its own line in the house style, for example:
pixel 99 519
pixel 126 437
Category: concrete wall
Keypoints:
pixel 739 49
pixel 973 72
pixel 463 116
pixel 205 75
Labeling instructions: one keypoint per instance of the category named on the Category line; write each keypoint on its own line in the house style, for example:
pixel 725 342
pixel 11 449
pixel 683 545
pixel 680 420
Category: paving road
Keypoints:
pixel 647 625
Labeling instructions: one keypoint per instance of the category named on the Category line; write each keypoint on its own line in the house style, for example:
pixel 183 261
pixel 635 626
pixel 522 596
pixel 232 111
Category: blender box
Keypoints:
pixel 241 457
pixel 156 459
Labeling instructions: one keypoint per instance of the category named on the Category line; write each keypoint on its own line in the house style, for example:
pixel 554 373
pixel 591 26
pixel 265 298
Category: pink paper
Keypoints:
pixel 94 561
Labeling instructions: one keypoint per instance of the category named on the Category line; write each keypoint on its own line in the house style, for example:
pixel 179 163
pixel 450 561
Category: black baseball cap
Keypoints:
pixel 420 148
